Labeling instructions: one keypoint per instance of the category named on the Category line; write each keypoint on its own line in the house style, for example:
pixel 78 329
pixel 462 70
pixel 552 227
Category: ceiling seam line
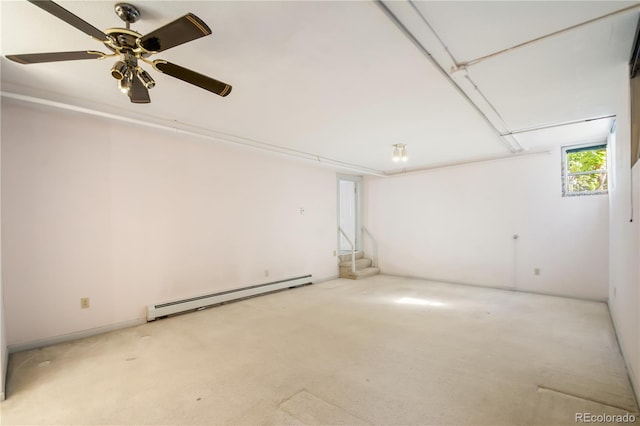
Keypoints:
pixel 404 172
pixel 212 137
pixel 475 61
pixel 435 63
pixel 566 123
pixel 424 19
pixel 247 141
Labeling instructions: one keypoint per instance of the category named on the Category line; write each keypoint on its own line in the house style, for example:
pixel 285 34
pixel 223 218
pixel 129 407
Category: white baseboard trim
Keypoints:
pixel 505 288
pixel 630 372
pixel 19 347
pixel 325 279
pixel 3 371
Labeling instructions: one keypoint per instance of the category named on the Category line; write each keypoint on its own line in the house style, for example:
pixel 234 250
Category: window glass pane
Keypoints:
pixel 591 182
pixel 584 170
pixel 586 161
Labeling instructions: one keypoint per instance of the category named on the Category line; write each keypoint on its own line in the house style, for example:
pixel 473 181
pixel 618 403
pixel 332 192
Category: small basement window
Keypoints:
pixel 584 170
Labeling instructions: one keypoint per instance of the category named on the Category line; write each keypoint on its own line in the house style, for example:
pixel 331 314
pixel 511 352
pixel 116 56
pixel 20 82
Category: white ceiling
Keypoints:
pixel 340 80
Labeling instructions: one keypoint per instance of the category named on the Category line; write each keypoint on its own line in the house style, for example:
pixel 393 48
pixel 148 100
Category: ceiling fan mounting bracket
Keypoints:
pixel 127 12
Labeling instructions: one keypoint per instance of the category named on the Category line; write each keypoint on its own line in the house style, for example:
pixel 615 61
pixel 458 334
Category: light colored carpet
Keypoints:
pixel 384 350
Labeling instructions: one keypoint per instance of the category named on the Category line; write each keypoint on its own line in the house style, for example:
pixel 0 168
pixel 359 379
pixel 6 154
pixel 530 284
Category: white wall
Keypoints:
pixel 4 355
pixel 456 224
pixel 624 242
pixel 129 216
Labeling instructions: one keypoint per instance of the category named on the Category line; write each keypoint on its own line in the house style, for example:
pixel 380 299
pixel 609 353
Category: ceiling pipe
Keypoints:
pixel 553 34
pixel 415 170
pixel 187 130
pixel 564 123
pixel 411 22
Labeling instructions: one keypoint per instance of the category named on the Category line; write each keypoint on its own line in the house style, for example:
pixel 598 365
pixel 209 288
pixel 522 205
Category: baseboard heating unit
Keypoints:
pixel 193 303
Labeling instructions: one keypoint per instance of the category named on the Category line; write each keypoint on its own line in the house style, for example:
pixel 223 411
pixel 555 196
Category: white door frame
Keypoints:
pixel 358 207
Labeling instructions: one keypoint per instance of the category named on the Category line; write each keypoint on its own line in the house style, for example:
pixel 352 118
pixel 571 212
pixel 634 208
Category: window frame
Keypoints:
pixel 565 168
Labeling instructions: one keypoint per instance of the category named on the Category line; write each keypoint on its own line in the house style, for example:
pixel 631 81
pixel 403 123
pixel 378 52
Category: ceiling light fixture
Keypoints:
pixel 126 81
pixel 146 79
pixel 399 152
pixel 118 70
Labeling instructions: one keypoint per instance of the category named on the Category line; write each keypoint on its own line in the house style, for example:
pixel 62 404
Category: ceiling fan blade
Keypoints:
pixel 34 58
pixel 182 30
pixel 138 93
pixel 68 17
pixel 192 77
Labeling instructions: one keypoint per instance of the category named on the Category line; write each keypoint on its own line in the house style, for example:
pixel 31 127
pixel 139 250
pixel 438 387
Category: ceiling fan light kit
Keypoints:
pixel 130 47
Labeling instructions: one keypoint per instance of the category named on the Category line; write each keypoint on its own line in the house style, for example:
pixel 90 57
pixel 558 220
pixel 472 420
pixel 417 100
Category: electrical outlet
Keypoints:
pixel 84 303
pixel 266 272
pixel 536 271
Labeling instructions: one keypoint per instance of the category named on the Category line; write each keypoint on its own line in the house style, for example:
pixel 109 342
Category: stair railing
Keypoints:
pixel 374 245
pixel 353 249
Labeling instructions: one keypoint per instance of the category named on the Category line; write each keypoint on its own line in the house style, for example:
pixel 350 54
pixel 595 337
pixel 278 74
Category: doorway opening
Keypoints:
pixel 349 213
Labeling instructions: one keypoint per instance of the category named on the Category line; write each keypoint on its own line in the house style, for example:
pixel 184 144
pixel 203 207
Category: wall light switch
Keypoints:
pixel 536 271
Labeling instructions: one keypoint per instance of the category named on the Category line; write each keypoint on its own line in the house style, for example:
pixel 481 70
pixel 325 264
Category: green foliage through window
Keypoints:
pixel 586 170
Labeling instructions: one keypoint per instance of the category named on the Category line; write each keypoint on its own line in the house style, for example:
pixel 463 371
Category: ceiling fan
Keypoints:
pixel 131 47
